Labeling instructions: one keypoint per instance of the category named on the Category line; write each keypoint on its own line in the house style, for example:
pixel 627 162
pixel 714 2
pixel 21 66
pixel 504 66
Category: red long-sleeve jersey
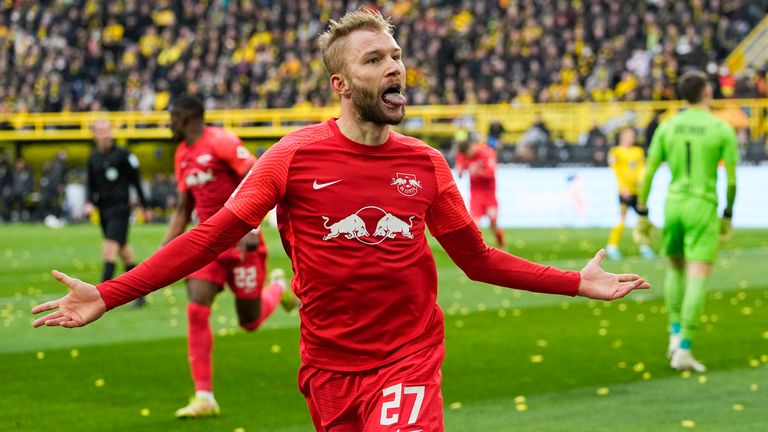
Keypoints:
pixel 355 220
pixel 482 169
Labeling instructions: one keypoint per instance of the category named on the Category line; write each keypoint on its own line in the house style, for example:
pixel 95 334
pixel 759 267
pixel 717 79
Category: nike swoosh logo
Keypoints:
pixel 317 185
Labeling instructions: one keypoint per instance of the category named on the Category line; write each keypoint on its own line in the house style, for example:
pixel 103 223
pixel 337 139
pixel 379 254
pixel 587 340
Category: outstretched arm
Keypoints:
pixel 85 303
pixel 450 223
pixel 482 263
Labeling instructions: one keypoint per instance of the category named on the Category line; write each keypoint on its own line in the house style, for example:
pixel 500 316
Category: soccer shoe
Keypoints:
pixel 198 407
pixel 288 300
pixel 139 302
pixel 726 229
pixel 674 345
pixel 613 253
pixel 683 360
pixel 647 252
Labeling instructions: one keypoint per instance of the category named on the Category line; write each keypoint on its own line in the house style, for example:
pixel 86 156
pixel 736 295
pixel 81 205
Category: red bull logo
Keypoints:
pixel 388 226
pixel 406 184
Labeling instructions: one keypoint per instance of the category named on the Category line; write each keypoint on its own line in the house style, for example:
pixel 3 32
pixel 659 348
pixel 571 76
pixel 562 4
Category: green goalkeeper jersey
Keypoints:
pixel 693 142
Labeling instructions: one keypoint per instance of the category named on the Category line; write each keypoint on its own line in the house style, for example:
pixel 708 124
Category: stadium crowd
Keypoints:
pixel 82 55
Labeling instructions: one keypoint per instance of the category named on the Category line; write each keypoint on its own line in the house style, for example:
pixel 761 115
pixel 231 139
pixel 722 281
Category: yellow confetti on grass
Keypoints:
pixel 690 424
pixel 685 374
pixel 455 406
pixel 537 358
pixel 639 367
pixel 239 429
pixel 74 353
pixel 702 379
pixel 520 399
pixel 753 387
pixel 603 391
pixel 521 407
pixel 275 349
pixel 738 407
pixel 40 355
pixel 99 382
pixel 144 412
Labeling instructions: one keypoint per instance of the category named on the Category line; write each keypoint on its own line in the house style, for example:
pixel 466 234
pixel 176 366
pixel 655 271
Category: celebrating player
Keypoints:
pixel 692 142
pixel 628 162
pixel 210 162
pixel 111 172
pixel 356 200
pixel 480 161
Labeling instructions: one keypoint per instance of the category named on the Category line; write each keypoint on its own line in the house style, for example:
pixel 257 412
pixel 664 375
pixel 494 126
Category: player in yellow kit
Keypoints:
pixel 628 162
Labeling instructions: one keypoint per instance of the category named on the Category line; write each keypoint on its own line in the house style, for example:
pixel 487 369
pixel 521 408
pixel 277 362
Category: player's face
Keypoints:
pixel 376 77
pixel 627 137
pixel 102 135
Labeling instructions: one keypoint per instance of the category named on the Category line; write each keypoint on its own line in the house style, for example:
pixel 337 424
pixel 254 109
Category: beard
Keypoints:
pixel 366 102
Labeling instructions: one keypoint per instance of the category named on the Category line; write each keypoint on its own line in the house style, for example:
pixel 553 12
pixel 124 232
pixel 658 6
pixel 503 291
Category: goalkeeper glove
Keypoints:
pixel 726 229
pixel 643 230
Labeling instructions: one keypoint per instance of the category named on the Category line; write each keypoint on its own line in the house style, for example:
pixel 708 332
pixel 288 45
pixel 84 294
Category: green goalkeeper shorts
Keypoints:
pixel 691 229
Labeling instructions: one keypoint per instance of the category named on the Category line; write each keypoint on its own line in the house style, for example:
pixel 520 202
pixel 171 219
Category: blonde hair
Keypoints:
pixel 332 41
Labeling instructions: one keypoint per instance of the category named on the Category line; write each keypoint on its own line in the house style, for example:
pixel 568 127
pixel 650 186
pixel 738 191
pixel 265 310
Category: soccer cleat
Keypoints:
pixel 674 344
pixel 288 300
pixel 198 407
pixel 613 253
pixel 683 360
pixel 647 252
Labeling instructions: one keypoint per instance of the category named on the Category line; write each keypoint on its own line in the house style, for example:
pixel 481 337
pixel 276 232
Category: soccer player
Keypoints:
pixel 210 162
pixel 692 142
pixel 627 160
pixel 356 200
pixel 111 172
pixel 480 161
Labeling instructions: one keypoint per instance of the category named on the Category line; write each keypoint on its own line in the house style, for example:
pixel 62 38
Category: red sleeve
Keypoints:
pixel 264 184
pixel 481 263
pixel 230 149
pixel 177 156
pixel 448 211
pixel 182 256
pixel 450 223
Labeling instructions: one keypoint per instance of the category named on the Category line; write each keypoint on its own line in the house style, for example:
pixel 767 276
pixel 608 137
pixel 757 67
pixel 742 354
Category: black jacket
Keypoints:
pixel 110 175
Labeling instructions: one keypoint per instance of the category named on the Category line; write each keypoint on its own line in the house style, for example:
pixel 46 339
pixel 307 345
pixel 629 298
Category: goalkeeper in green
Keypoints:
pixel 692 142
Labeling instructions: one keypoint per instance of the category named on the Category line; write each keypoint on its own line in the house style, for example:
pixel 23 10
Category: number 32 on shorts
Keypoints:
pixel 392 409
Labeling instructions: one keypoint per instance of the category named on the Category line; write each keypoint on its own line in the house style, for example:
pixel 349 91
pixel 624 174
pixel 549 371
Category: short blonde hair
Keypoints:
pixel 332 41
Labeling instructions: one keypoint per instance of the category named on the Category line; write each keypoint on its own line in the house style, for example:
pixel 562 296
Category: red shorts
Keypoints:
pixel 480 202
pixel 244 277
pixel 401 396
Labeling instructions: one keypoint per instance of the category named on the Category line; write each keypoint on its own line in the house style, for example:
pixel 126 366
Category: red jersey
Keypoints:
pixel 211 169
pixel 354 221
pixel 482 169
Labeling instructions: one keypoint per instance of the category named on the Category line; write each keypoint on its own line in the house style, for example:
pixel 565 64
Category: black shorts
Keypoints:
pixel 114 223
pixel 630 202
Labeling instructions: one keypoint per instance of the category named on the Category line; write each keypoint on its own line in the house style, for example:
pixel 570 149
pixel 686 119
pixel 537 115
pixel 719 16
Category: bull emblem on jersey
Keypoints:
pixel 354 227
pixel 390 225
pixel 406 184
pixel 197 178
pixel 351 226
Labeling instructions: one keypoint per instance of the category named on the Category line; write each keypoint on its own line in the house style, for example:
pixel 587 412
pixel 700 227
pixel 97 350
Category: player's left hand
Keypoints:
pixel 248 243
pixel 598 284
pixel 82 305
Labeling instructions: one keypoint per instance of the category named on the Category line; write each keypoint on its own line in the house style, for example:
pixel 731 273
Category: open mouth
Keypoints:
pixel 393 96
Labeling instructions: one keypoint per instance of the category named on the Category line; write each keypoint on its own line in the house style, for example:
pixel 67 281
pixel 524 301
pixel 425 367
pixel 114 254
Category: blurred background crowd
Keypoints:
pixel 84 55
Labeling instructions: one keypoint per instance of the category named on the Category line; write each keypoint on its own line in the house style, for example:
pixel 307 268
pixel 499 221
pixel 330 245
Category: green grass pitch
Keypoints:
pixel 515 361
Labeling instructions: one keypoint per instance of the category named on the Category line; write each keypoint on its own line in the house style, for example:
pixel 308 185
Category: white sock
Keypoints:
pixel 204 395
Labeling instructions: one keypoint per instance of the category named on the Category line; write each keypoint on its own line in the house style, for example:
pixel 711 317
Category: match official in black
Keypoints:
pixel 111 172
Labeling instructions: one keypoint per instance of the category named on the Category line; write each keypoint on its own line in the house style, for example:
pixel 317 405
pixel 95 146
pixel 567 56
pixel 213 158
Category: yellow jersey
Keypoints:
pixel 628 164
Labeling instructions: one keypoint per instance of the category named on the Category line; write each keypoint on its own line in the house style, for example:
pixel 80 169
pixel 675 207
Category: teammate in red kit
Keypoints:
pixel 480 161
pixel 210 162
pixel 356 200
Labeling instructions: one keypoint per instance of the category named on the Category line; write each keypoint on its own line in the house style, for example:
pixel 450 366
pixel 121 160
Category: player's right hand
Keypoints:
pixel 82 305
pixel 726 229
pixel 643 230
